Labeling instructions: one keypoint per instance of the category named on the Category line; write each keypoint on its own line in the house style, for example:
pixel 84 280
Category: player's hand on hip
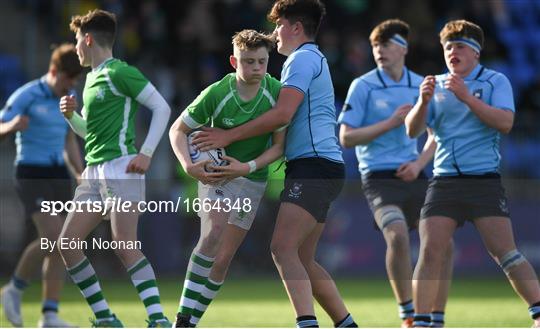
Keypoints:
pixel 68 104
pixel 139 164
pixel 199 172
pixel 232 170
pixel 427 89
pixel 408 171
pixel 19 122
pixel 400 113
pixel 455 84
pixel 211 138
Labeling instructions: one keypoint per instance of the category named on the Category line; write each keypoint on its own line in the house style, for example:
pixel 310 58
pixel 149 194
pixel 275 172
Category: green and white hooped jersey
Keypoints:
pixel 220 105
pixel 111 97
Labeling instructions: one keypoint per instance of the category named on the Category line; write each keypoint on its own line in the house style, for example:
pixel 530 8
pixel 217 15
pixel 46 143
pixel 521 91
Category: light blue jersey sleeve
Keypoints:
pixel 17 103
pixel 312 131
pixel 301 74
pixel 502 97
pixel 353 110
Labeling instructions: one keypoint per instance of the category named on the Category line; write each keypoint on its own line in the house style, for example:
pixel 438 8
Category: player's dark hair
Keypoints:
pixel 387 29
pixel 64 59
pixel 308 12
pixel 462 29
pixel 101 23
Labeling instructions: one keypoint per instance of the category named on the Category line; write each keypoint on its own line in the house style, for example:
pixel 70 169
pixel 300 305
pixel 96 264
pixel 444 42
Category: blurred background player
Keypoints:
pixel 393 180
pixel 315 169
pixel 467 109
pixel 46 149
pixel 232 101
pixel 115 169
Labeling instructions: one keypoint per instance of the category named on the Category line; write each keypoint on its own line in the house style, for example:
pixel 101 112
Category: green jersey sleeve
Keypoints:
pixel 274 86
pixel 200 111
pixel 129 81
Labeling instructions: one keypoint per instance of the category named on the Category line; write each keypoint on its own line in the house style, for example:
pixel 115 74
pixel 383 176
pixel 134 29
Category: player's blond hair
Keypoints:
pixel 101 23
pixel 251 40
pixel 64 59
pixel 462 29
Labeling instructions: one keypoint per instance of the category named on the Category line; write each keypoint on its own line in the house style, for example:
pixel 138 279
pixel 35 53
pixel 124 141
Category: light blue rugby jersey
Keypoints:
pixel 312 131
pixel 373 98
pixel 42 143
pixel 465 144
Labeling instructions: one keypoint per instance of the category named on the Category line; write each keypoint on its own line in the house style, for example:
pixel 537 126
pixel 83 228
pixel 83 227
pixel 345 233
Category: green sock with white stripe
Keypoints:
pixel 144 280
pixel 196 277
pixel 208 294
pixel 85 278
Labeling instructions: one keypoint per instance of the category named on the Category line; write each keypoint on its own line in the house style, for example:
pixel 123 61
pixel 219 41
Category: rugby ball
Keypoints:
pixel 215 155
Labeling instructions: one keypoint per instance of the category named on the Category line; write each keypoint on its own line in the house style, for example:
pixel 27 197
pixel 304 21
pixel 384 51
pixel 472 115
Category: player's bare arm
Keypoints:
pixel 493 117
pixel 72 156
pixel 18 123
pixel 279 116
pixel 350 137
pixel 415 122
pixel 409 171
pixel 236 168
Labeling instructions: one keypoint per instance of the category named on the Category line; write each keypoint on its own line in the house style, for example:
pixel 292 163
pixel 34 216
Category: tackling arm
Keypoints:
pixel 274 152
pixel 281 115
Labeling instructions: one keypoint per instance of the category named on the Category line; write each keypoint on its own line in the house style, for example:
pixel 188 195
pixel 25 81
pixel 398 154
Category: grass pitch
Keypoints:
pixel 264 303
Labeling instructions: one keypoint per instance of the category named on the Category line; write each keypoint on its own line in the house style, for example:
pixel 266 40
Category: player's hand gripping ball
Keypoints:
pixel 216 155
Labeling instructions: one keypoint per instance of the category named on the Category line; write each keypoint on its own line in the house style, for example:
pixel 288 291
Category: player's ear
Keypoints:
pixel 298 27
pixel 234 61
pixel 53 71
pixel 88 39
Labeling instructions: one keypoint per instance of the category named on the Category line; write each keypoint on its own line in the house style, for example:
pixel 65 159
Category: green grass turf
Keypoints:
pixel 263 303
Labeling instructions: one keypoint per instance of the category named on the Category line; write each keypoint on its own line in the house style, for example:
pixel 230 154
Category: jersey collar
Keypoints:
pixel 387 81
pixel 313 44
pixel 100 66
pixel 474 73
pixel 45 87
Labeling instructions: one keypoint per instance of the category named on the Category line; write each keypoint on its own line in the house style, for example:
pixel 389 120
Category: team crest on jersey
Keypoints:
pixel 295 191
pixel 228 122
pixel 219 192
pixel 100 94
pixel 478 93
